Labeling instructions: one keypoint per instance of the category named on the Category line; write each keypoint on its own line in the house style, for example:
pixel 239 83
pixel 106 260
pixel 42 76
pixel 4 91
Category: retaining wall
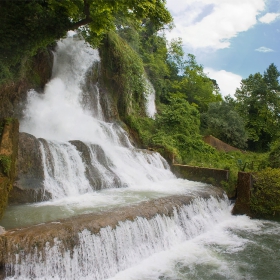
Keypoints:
pixel 244 187
pixel 212 176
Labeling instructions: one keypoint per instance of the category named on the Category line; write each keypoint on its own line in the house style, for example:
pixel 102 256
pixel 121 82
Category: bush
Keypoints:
pixel 274 156
pixel 265 198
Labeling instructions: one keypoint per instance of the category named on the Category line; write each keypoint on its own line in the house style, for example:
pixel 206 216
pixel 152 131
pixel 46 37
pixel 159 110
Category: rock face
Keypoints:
pixel 28 186
pixel 95 153
pixel 34 238
pixel 38 70
pixel 8 157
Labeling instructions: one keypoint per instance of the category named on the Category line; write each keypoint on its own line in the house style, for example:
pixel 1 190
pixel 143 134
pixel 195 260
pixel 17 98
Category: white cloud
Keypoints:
pixel 227 81
pixel 202 27
pixel 264 49
pixel 269 17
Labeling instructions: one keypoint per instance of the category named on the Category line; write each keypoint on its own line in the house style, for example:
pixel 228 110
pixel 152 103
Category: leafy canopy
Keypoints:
pixel 222 121
pixel 26 26
pixel 265 199
pixel 258 102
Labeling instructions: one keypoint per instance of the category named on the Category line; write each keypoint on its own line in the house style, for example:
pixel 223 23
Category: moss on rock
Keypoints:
pixel 8 157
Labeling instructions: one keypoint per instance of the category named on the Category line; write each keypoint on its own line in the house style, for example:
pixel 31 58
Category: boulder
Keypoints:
pixel 29 184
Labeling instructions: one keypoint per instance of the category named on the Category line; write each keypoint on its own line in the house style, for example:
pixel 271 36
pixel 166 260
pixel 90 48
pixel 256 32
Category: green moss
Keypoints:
pixel 124 75
pixel 8 120
pixel 6 163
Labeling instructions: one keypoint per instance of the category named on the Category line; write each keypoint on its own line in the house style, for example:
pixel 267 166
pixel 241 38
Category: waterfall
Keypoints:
pixel 70 110
pixel 150 96
pixel 90 166
pixel 99 256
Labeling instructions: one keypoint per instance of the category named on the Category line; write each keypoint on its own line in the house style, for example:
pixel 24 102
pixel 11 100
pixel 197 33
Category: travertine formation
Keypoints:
pixel 34 238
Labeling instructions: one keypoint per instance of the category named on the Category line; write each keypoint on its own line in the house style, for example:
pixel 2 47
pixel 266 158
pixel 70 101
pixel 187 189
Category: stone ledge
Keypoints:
pixel 35 237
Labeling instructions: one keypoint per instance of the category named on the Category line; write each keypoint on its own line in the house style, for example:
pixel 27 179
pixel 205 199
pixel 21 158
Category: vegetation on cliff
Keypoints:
pixel 189 106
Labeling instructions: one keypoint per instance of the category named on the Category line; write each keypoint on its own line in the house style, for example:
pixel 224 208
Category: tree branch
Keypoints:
pixel 82 22
pixel 86 20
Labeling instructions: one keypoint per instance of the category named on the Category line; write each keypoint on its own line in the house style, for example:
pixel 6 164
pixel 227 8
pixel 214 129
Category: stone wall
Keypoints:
pixel 8 158
pixel 212 176
pixel 244 186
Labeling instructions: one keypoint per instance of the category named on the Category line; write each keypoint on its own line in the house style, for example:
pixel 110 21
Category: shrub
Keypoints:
pixel 265 198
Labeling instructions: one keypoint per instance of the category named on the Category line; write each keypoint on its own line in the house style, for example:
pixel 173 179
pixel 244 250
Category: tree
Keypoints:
pixel 179 117
pixel 265 197
pixel 258 102
pixel 177 128
pixel 223 122
pixel 195 86
pixel 26 26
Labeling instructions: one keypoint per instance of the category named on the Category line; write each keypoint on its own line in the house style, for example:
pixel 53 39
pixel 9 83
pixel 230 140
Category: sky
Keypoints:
pixel 230 38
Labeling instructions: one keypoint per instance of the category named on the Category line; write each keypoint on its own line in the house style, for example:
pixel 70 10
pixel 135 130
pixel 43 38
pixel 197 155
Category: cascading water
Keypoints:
pixel 59 115
pixel 150 96
pixel 91 166
pixel 112 250
pixel 82 152
pixel 199 241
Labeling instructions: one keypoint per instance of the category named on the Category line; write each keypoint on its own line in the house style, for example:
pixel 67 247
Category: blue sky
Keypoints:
pixel 230 38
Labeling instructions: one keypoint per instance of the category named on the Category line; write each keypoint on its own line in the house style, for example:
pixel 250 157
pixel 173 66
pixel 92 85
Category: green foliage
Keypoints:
pixel 177 127
pixel 126 73
pixel 144 128
pixel 5 163
pixel 175 132
pixel 153 51
pixel 258 102
pixel 8 120
pixel 27 26
pixel 199 89
pixel 178 117
pixel 265 198
pixel 222 121
pixel 274 155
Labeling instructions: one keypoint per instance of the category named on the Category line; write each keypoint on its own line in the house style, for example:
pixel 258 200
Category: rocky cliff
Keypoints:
pixel 8 159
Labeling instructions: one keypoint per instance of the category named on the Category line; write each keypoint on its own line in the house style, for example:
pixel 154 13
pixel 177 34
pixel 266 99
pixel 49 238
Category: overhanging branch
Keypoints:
pixel 86 20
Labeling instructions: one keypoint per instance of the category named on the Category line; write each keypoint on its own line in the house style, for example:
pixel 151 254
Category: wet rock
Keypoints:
pixel 98 166
pixel 28 186
pixel 2 230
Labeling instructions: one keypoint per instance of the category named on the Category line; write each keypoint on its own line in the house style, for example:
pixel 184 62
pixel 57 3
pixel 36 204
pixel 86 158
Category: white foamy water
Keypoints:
pixel 200 241
pixel 58 115
pixel 64 170
pixel 150 96
pixel 103 255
